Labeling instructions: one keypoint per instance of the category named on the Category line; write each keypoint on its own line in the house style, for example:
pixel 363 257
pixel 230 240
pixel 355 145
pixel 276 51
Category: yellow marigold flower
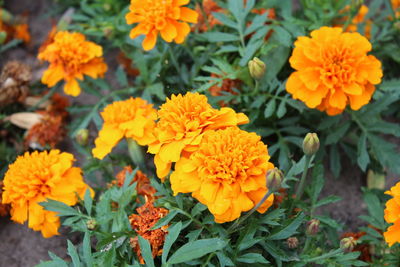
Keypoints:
pixel 133 118
pixel 182 122
pixel 333 70
pixel 70 57
pixel 167 17
pixel 227 173
pixel 392 215
pixel 35 177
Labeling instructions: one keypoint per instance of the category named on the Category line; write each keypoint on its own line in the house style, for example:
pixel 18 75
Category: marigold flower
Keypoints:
pixel 143 186
pixel 21 31
pixel 396 7
pixel 358 19
pixel 333 70
pixel 35 177
pixel 132 118
pixel 4 208
pixel 49 39
pixel 392 215
pixel 49 132
pixel 227 173
pixel 182 122
pixel 70 57
pixel 147 217
pixel 167 17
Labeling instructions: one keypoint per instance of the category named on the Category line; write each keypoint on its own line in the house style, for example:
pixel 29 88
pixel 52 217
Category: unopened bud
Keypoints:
pixel 82 137
pixel 91 224
pixel 256 68
pixel 348 244
pixel 310 144
pixel 274 179
pixel 313 227
pixel 292 242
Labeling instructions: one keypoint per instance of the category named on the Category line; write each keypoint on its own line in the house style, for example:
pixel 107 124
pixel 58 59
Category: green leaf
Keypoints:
pixel 88 202
pixel 221 17
pixel 270 108
pixel 362 153
pixel 281 109
pixel 196 249
pixel 165 220
pixel 328 200
pixel 375 208
pixel 122 79
pixel 87 250
pixel 282 36
pixel 287 230
pixel 318 182
pixel 61 208
pixel 157 89
pixel 173 233
pixel 224 260
pixel 337 133
pixel 334 159
pixel 252 258
pixel 145 249
pixel 73 254
pixel 216 37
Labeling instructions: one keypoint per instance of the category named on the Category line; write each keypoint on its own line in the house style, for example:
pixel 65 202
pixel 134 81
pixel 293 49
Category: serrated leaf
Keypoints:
pixel 328 200
pixel 87 250
pixel 281 109
pixel 73 254
pixel 287 230
pixel 165 220
pixel 88 202
pixel 270 108
pixel 362 153
pixel 196 249
pixel 252 258
pixel 216 37
pixel 337 133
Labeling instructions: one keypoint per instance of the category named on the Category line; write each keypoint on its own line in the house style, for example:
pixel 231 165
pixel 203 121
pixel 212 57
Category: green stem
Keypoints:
pixel 208 259
pixel 256 87
pixel 136 153
pixel 300 188
pixel 234 226
pixel 307 244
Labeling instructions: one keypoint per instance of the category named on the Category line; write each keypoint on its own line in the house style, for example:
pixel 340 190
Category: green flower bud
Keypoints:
pixel 310 144
pixel 274 179
pixel 82 137
pixel 348 244
pixel 91 224
pixel 313 227
pixel 256 68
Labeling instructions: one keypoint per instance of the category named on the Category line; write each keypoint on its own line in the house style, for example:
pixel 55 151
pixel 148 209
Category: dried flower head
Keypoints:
pixel 228 86
pixel 70 57
pixel 143 186
pixel 147 217
pixel 127 64
pixel 169 18
pixel 364 249
pixel 227 173
pixel 392 215
pixel 4 208
pixel 14 82
pixel 35 177
pixel 47 133
pixel 132 118
pixel 206 19
pixel 182 122
pixel 333 70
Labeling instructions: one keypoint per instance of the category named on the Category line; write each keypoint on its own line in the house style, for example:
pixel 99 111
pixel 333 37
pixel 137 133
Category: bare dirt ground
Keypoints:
pixel 22 247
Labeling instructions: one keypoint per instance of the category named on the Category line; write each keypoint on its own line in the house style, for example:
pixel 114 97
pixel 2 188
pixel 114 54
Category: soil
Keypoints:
pixel 22 247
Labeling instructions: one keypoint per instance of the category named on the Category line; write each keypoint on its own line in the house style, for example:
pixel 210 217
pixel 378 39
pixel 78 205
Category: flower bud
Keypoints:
pixel 256 68
pixel 91 224
pixel 313 227
pixel 310 144
pixel 82 137
pixel 348 244
pixel 292 242
pixel 274 179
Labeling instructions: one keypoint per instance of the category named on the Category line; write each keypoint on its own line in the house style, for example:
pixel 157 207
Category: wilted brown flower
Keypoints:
pixel 58 106
pixel 147 217
pixel 49 132
pixel 363 248
pixel 143 186
pixel 206 20
pixel 127 64
pixel 227 86
pixel 14 82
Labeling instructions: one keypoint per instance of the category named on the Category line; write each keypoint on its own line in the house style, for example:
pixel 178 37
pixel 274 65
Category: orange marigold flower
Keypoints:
pixel 227 173
pixel 167 17
pixel 49 39
pixel 333 70
pixel 206 19
pixel 21 31
pixel 182 122
pixel 35 177
pixel 4 208
pixel 396 7
pixel 147 217
pixel 70 57
pixel 392 215
pixel 143 186
pixel 132 118
pixel 358 19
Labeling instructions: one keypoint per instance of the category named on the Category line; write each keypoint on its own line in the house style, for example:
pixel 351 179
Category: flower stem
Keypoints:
pixel 300 188
pixel 234 226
